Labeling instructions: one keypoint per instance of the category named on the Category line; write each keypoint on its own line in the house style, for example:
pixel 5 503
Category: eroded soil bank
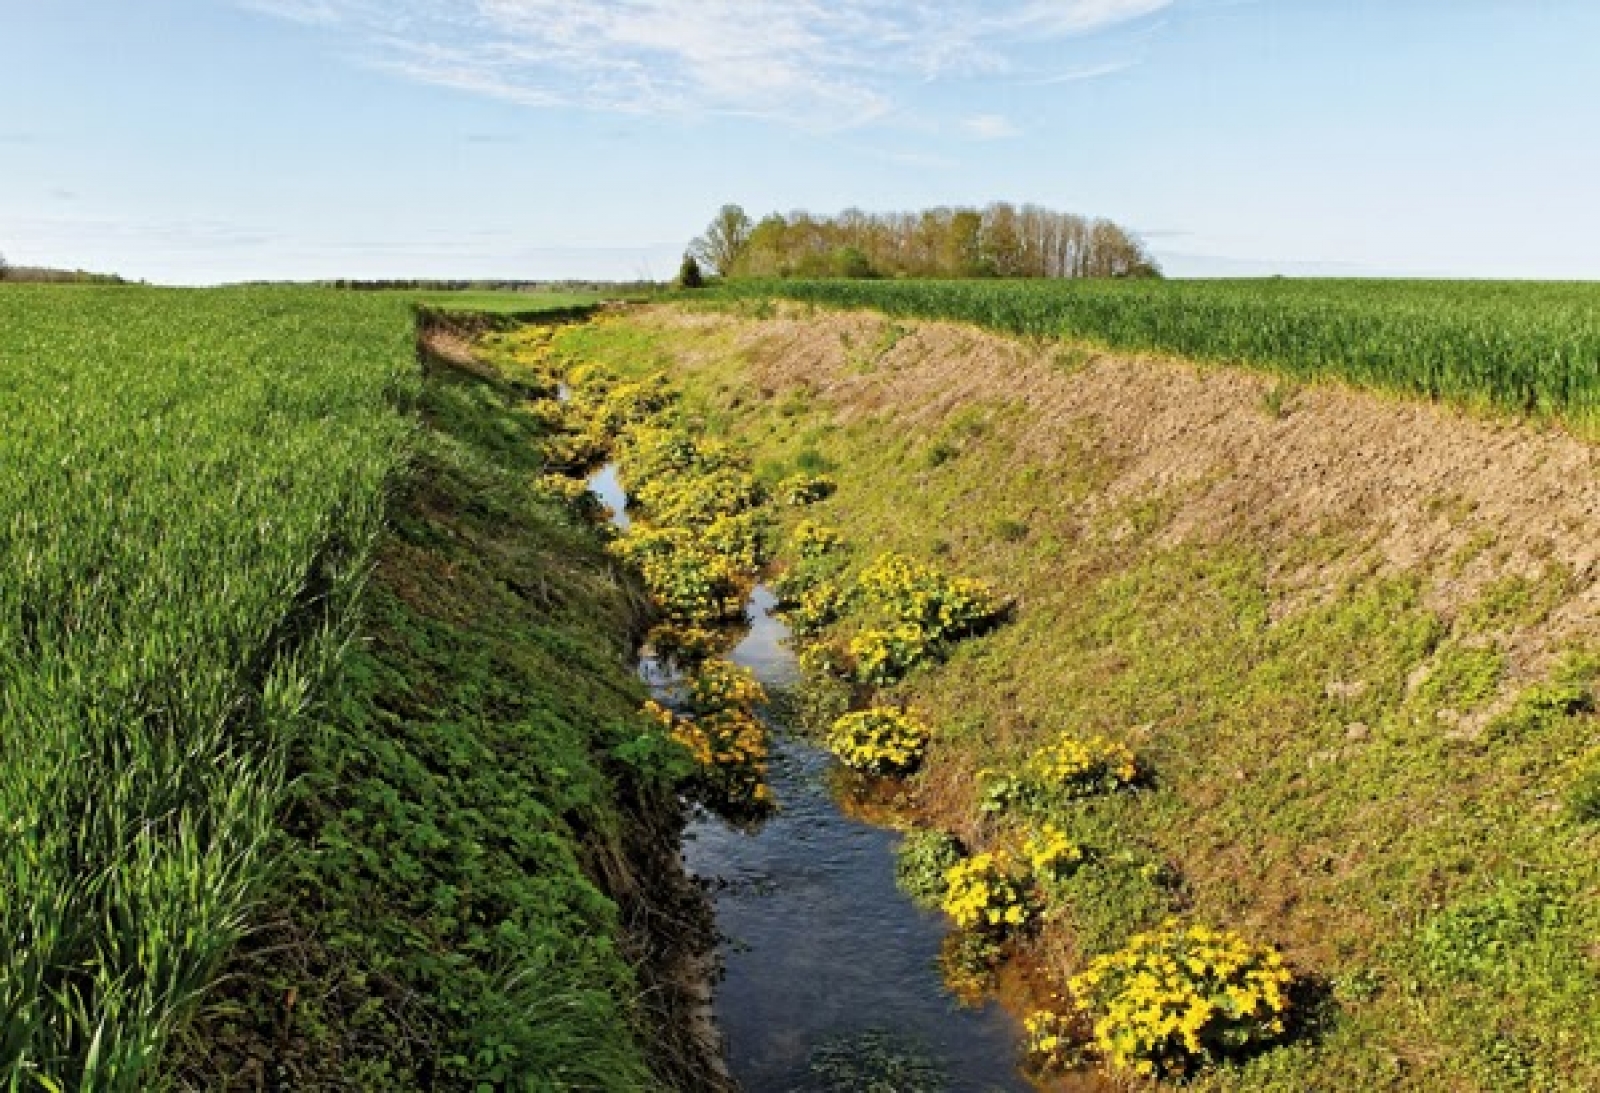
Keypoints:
pixel 1353 637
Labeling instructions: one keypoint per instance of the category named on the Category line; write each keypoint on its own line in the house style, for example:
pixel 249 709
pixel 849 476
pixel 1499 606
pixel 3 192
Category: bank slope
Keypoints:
pixel 481 884
pixel 1352 637
pixel 320 760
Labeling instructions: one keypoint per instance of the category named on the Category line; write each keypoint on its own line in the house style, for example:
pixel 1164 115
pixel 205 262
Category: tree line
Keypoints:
pixel 1000 240
pixel 47 275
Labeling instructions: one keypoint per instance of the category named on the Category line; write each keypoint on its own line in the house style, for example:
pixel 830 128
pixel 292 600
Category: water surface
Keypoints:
pixel 821 953
pixel 820 946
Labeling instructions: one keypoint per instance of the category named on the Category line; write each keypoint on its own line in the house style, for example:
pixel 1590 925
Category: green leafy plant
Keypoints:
pixel 1583 795
pixel 922 859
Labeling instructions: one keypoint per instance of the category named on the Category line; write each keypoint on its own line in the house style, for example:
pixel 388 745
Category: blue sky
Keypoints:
pixel 195 141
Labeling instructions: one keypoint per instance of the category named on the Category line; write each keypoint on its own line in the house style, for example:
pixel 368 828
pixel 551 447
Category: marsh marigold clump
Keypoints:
pixel 822 658
pixel 685 645
pixel 879 741
pixel 1051 854
pixel 814 608
pixel 884 656
pixel 1076 766
pixel 689 582
pixel 720 685
pixel 729 749
pixel 988 892
pixel 814 540
pixel 945 607
pixel 1180 996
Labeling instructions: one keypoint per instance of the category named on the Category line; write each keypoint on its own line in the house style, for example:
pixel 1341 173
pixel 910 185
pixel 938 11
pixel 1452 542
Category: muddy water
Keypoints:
pixel 830 977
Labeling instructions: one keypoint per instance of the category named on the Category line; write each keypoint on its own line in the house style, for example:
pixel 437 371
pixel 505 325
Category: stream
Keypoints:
pixel 830 978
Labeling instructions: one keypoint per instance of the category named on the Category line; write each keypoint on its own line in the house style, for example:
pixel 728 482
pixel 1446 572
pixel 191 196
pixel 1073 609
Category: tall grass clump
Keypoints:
pixel 1505 346
pixel 190 485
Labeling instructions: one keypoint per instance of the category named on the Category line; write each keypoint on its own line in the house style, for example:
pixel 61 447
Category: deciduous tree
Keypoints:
pixel 724 241
pixel 1001 240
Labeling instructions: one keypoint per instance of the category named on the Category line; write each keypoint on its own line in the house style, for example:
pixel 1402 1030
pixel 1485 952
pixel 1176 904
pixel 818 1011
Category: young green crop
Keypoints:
pixel 1507 346
pixel 190 483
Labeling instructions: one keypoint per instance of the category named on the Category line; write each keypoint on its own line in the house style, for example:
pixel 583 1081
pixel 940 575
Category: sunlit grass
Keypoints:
pixel 190 484
pixel 1525 348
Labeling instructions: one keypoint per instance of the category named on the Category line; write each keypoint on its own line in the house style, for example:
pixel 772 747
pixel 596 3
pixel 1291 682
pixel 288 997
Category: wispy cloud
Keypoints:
pixel 822 64
pixel 1089 72
pixel 1060 17
pixel 990 127
pixel 297 11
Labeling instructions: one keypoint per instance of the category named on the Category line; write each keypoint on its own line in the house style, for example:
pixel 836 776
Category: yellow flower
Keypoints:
pixel 881 740
pixel 987 890
pixel 1175 997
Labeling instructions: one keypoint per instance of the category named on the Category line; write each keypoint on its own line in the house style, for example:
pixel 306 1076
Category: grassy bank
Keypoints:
pixel 505 305
pixel 1508 346
pixel 1372 757
pixel 482 810
pixel 323 764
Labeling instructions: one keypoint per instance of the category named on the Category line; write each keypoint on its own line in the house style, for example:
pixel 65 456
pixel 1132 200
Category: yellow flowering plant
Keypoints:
pixel 729 750
pixel 685 644
pixel 650 452
pixel 806 489
pixel 883 656
pixel 692 585
pixel 881 740
pixel 1050 1041
pixel 814 540
pixel 1067 767
pixel 989 893
pixel 822 658
pixel 548 415
pixel 1051 854
pixel 1076 766
pixel 1181 996
pixel 719 685
pixel 695 500
pixel 945 607
pixel 816 607
pixel 793 583
pixel 631 402
pixel 576 449
pixel 740 538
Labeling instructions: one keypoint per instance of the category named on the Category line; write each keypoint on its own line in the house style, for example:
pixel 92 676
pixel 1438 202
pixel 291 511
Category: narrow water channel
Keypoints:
pixel 830 977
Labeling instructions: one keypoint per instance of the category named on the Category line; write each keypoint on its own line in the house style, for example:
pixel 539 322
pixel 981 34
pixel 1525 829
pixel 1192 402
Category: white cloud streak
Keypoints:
pixel 1065 17
pixel 1092 72
pixel 990 127
pixel 312 12
pixel 819 64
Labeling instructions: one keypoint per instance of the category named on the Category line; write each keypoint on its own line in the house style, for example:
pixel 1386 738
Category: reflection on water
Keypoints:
pixel 764 649
pixel 821 947
pixel 605 485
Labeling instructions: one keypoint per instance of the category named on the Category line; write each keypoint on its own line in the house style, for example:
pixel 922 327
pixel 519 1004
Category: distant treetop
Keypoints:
pixel 1001 240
